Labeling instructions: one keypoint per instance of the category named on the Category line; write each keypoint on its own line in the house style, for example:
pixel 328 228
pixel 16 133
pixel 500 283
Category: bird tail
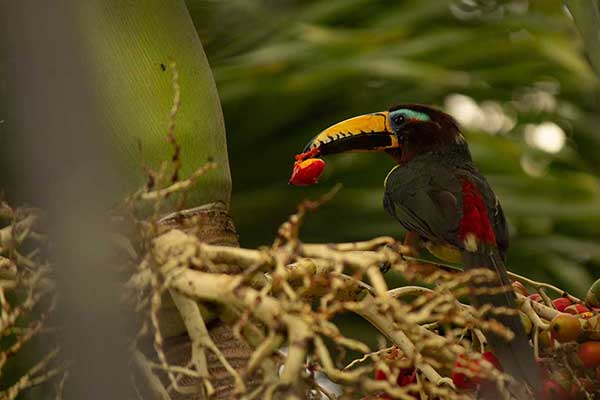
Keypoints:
pixel 516 355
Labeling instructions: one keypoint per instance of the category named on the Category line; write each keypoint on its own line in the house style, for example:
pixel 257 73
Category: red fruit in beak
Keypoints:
pixel 307 172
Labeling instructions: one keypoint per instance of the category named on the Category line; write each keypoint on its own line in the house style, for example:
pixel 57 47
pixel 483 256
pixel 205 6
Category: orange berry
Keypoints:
pixel 565 328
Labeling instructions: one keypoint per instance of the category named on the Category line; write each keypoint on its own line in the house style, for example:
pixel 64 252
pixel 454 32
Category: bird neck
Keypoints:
pixel 459 151
pixel 427 136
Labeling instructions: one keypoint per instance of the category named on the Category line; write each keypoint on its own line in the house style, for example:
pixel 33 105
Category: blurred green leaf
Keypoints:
pixel 287 69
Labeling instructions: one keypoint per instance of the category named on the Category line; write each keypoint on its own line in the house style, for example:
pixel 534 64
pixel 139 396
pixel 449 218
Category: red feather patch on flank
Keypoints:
pixel 475 216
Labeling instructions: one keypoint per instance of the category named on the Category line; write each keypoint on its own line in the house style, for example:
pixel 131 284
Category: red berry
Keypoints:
pixel 579 388
pixel 577 309
pixel 561 303
pixel 475 378
pixel 491 357
pixel 307 172
pixel 589 354
pixel 552 390
pixel 460 379
pixel 535 297
pixel 406 376
pixel 582 309
pixel 380 375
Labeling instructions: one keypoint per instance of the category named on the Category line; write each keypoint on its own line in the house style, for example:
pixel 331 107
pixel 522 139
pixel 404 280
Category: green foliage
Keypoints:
pixel 286 70
pixel 586 15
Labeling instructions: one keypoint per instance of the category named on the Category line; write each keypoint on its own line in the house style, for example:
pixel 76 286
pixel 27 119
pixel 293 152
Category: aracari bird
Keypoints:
pixel 439 196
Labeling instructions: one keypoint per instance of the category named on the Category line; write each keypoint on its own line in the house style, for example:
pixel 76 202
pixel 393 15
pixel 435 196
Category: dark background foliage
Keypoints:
pixel 287 69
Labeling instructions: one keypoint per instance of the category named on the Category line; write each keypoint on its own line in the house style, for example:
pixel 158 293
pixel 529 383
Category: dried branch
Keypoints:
pixel 287 296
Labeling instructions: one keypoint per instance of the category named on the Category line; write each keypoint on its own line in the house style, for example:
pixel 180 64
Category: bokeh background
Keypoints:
pixel 513 73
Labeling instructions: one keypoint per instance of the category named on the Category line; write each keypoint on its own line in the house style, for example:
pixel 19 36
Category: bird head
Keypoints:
pixel 402 132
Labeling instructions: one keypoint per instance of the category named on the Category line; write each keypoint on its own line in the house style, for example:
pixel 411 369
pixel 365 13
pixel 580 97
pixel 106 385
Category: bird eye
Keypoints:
pixel 398 119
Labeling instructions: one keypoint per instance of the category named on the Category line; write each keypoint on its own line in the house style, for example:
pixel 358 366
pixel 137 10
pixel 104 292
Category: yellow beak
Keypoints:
pixel 369 132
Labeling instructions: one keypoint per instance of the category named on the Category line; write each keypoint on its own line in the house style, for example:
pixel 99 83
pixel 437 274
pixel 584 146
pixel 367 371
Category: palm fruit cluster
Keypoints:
pixel 567 349
pixel 568 344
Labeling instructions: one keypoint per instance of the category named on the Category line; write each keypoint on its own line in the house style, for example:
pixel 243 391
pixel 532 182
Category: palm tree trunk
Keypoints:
pixel 124 50
pixel 132 47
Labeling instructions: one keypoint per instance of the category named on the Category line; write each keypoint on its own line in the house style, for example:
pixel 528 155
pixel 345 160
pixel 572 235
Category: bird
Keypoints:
pixel 438 195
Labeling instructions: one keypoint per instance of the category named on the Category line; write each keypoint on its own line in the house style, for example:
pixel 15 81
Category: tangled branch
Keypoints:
pixel 27 297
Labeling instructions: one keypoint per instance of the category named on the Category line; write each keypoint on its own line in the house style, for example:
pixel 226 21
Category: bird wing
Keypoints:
pixel 426 198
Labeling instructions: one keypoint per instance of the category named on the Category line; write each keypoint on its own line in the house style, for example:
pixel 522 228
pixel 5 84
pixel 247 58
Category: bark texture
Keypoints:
pixel 212 224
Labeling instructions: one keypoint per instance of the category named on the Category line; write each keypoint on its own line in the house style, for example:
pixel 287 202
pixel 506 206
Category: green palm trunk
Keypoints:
pixel 130 48
pixel 89 91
